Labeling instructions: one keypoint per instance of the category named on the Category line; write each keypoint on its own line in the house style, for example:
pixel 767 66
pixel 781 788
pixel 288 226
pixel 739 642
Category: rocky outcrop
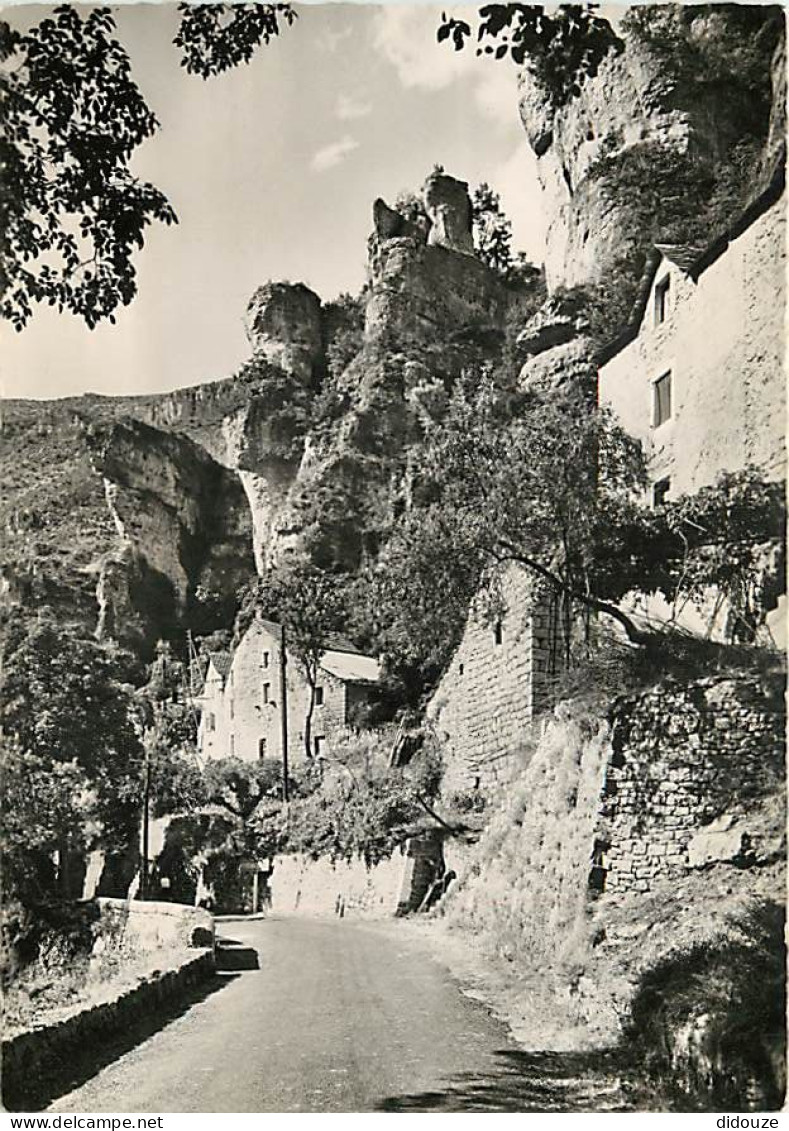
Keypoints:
pixel 420 284
pixel 557 350
pixel 639 97
pixel 448 207
pixel 283 324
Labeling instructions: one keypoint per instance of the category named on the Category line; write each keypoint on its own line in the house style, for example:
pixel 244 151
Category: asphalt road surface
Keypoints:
pixel 321 1016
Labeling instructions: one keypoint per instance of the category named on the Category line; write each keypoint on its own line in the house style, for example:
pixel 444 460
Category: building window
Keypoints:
pixel 460 669
pixel 497 632
pixel 261 748
pixel 318 696
pixel 662 291
pixel 265 659
pixel 266 692
pixel 660 490
pixel 661 408
pixel 318 742
pixel 232 708
pixel 232 745
pixel 211 721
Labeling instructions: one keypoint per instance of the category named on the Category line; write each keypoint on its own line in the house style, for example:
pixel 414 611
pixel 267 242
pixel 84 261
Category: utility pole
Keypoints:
pixel 146 820
pixel 283 699
pixel 158 708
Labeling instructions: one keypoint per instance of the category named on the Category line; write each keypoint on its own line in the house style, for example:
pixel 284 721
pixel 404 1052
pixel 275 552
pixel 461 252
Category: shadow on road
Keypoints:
pixel 528 1081
pixel 85 1062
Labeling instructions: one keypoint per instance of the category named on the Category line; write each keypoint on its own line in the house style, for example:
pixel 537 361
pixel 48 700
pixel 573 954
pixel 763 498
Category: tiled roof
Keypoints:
pixel 351 667
pixel 222 662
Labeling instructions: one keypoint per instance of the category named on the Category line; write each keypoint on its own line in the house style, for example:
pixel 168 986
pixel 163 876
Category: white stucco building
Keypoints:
pixel 699 374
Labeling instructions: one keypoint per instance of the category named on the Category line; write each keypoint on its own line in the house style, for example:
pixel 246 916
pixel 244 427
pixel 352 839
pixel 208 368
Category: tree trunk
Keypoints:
pixel 634 634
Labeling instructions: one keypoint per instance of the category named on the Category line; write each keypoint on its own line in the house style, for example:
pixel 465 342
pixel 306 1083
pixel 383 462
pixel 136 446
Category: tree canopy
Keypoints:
pixel 553 485
pixel 72 212
pixel 72 760
pixel 561 48
pixel 508 478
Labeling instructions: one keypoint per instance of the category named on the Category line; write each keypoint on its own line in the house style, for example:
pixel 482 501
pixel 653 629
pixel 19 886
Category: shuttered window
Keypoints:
pixel 662 400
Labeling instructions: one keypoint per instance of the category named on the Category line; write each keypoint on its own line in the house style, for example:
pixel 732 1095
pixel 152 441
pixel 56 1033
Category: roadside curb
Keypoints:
pixel 29 1056
pixel 258 917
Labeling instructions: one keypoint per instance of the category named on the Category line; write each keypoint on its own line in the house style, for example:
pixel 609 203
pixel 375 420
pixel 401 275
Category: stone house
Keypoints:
pixel 249 695
pixel 698 375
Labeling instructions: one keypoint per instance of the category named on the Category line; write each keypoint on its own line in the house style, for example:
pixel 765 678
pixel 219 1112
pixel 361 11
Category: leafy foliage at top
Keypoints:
pixel 72 211
pixel 561 49
pixel 217 37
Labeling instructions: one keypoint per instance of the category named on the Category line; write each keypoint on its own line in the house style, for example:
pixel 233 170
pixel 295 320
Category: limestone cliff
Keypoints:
pixel 690 83
pixel 426 282
pixel 430 303
pixel 139 516
pixel 283 323
pixel 184 527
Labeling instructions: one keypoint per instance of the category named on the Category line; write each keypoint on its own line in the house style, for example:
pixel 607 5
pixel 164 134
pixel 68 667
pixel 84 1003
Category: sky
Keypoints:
pixel 272 170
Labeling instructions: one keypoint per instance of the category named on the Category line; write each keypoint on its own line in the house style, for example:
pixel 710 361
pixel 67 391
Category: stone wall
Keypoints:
pixel 35 1061
pixel 724 343
pixel 300 886
pixel 685 763
pixel 484 706
pixel 142 927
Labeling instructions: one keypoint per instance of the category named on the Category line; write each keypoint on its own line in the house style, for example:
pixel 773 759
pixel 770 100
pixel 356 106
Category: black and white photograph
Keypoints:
pixel 393 559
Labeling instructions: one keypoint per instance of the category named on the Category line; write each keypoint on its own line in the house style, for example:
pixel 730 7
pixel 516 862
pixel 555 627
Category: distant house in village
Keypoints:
pixel 698 376
pixel 244 697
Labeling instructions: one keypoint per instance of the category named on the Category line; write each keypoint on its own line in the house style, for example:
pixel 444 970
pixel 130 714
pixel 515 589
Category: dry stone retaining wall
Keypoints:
pixel 31 1058
pixel 161 950
pixel 682 759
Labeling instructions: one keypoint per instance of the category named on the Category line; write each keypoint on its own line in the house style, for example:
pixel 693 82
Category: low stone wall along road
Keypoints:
pixel 332 1016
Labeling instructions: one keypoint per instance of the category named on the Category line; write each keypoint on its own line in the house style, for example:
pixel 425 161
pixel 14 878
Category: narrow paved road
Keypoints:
pixel 332 1016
